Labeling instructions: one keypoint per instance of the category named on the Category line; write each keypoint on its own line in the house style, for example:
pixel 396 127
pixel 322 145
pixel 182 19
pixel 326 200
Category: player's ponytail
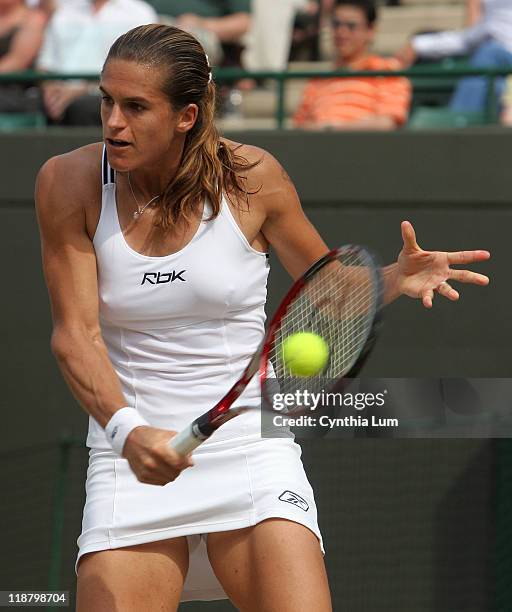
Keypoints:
pixel 208 167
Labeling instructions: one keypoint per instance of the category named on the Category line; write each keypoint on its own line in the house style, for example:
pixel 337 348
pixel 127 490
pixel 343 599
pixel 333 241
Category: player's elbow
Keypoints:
pixel 69 341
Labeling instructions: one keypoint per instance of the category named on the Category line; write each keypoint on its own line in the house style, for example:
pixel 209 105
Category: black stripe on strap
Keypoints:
pixel 108 174
pixel 104 167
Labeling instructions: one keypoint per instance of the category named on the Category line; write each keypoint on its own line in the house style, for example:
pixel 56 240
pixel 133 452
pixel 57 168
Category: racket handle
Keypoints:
pixel 187 440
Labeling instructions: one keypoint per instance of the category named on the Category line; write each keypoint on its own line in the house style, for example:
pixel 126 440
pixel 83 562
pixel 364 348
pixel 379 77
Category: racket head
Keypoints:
pixel 339 298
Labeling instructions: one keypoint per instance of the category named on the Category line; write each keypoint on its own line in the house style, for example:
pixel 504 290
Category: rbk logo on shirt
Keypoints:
pixel 162 278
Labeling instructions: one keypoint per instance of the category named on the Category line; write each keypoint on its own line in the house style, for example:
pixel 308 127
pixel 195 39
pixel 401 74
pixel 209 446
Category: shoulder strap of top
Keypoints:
pixel 108 174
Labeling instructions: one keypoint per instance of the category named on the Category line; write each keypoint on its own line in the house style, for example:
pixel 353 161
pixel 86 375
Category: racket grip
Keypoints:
pixel 186 441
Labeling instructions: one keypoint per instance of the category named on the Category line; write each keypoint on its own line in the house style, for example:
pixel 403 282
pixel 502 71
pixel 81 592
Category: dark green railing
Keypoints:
pixel 227 75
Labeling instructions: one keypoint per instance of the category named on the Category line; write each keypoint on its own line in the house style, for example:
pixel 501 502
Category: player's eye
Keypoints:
pixel 138 108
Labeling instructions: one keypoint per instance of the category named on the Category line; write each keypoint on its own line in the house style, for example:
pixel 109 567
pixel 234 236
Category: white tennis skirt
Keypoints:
pixel 233 484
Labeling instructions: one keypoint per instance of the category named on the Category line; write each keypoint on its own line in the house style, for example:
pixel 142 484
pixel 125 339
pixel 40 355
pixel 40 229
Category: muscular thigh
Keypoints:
pixel 139 578
pixel 275 566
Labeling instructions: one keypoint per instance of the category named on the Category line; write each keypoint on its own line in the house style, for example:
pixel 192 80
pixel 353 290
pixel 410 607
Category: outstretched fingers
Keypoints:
pixel 427 298
pixel 447 291
pixel 465 257
pixel 467 276
pixel 443 289
pixel 409 236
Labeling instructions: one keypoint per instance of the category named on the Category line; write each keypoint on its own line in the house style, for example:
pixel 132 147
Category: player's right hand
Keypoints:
pixel 151 458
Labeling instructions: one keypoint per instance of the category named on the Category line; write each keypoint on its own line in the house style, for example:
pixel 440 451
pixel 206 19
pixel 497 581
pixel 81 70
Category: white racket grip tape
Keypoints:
pixel 187 440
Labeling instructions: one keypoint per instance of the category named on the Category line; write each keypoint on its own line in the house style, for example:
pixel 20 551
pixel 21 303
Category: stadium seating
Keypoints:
pixel 426 118
pixel 395 26
pixel 10 122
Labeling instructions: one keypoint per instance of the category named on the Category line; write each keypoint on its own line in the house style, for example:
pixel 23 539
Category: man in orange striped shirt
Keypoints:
pixel 357 103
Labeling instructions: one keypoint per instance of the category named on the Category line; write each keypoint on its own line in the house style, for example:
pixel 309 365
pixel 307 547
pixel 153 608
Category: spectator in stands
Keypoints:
pixel 21 36
pixel 488 42
pixel 270 36
pixel 355 103
pixel 77 40
pixel 219 26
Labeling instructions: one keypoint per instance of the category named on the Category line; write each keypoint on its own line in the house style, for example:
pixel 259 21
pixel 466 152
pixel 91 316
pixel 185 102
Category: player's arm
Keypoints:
pixel 69 264
pixel 287 229
pixel 417 273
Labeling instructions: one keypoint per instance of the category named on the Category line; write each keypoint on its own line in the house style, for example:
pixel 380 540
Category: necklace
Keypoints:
pixel 140 209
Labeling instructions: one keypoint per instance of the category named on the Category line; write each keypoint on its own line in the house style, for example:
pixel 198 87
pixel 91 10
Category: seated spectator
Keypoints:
pixel 488 41
pixel 270 36
pixel 219 26
pixel 362 103
pixel 77 40
pixel 21 35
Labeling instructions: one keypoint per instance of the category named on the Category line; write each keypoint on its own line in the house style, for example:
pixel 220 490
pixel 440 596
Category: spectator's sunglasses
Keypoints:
pixel 351 26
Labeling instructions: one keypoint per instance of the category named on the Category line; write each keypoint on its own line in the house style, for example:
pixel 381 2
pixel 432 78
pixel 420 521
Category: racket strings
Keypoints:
pixel 338 304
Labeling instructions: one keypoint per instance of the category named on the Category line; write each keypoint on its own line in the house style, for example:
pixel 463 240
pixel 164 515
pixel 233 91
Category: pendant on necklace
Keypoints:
pixel 136 215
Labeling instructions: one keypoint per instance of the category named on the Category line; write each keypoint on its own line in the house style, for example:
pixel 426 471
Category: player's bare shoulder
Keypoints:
pixel 70 184
pixel 265 175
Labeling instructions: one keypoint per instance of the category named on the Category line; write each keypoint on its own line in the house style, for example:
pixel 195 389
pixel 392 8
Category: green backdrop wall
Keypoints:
pixel 409 524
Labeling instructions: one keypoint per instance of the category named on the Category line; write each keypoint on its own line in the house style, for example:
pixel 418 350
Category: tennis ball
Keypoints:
pixel 305 354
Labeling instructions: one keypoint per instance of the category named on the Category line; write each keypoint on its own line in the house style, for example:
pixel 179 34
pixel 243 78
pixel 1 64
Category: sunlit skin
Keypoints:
pixel 351 45
pixel 8 6
pixel 134 109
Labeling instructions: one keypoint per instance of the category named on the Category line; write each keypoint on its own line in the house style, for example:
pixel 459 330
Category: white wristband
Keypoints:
pixel 120 425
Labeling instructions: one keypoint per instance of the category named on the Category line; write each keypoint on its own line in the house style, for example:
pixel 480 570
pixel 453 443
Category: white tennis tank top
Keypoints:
pixel 180 329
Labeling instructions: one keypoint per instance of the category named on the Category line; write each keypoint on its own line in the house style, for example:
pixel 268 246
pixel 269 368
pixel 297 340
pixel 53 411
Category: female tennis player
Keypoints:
pixel 154 249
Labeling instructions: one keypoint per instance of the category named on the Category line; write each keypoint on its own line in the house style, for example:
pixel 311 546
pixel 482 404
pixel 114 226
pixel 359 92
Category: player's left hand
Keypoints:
pixel 421 274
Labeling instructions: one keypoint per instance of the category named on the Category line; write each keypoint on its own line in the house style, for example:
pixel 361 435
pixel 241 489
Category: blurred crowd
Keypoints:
pixel 73 37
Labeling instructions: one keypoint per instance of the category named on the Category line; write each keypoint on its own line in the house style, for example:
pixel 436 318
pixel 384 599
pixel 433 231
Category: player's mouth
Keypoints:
pixel 118 144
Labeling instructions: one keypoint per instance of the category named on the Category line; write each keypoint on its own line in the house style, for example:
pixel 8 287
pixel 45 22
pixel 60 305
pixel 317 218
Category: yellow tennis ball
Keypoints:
pixel 305 354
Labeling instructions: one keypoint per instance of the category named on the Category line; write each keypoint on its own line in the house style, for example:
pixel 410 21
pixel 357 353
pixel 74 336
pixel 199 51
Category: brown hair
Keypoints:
pixel 208 167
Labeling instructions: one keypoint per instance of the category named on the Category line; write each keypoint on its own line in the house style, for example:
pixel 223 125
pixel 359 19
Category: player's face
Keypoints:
pixel 352 33
pixel 140 127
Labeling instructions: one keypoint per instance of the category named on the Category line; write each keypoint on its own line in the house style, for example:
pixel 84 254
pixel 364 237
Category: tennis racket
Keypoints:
pixel 338 298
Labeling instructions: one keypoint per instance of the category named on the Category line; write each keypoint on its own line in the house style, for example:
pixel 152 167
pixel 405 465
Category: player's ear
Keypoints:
pixel 187 118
